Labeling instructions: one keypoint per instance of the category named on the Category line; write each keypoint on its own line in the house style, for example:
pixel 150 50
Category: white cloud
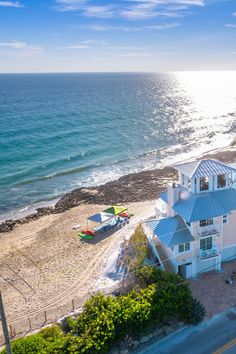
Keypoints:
pixel 130 9
pixel 234 14
pixel 69 5
pixel 142 9
pixel 158 27
pixel 85 44
pixel 13 44
pixel 99 11
pixel 11 4
pixel 163 26
pixel 98 28
pixel 20 49
pixel 105 27
pixel 230 25
pixel 75 46
pixel 94 41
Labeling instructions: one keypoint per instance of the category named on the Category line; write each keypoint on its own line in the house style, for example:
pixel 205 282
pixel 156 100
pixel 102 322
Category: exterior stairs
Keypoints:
pixel 164 258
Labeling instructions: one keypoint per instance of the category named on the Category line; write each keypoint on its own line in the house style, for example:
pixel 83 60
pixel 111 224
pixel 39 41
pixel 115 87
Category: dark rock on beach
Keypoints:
pixel 135 187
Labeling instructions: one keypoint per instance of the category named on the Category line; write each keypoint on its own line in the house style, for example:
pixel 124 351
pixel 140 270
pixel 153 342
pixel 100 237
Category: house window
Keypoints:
pixel 187 246
pixel 204 223
pixel 221 181
pixel 184 247
pixel 195 185
pixel 189 183
pixel 204 184
pixel 182 179
pixel 225 219
pixel 206 243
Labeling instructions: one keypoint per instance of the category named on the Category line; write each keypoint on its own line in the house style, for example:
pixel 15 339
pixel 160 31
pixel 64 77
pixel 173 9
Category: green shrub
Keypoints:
pixel 197 313
pixel 50 340
pixel 173 296
pixel 106 319
pixel 51 333
pixel 30 345
pixel 138 249
pixel 149 275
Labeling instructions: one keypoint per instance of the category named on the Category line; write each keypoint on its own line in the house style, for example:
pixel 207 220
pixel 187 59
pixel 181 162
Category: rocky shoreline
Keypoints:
pixel 135 187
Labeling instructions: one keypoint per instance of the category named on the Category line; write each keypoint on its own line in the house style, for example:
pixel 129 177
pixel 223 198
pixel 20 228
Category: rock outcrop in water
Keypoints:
pixel 135 187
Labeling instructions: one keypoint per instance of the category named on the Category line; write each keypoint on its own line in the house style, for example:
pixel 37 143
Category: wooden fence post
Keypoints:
pixel 30 324
pixel 73 305
pixel 45 316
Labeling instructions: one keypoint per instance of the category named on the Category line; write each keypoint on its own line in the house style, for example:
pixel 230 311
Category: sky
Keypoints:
pixel 117 36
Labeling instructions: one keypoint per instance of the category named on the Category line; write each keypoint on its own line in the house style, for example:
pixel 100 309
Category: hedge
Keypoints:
pixel 105 319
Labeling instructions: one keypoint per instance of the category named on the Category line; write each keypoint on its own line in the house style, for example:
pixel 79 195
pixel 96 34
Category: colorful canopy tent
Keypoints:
pixel 101 217
pixel 115 210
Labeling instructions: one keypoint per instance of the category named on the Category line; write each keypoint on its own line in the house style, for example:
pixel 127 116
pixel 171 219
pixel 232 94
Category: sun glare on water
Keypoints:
pixel 212 92
pixel 207 110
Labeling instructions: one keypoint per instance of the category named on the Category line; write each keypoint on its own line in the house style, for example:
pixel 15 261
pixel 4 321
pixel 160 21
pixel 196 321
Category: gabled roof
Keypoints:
pixel 195 207
pixel 171 231
pixel 204 168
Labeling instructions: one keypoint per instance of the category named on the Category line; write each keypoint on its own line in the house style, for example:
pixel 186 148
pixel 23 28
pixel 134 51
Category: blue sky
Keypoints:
pixel 124 35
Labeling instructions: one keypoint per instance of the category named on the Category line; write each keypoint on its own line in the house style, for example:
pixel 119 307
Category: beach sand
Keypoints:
pixel 44 264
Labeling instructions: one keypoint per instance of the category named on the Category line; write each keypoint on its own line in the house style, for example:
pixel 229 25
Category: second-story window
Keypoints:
pixel 206 243
pixel 184 247
pixel 221 181
pixel 225 219
pixel 204 184
pixel 204 223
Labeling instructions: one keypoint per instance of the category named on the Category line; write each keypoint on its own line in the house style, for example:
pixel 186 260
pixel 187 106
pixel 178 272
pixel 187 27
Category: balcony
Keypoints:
pixel 207 254
pixel 209 230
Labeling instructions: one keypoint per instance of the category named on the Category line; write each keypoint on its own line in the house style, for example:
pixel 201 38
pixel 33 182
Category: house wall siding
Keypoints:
pixel 209 265
pixel 229 231
pixel 228 254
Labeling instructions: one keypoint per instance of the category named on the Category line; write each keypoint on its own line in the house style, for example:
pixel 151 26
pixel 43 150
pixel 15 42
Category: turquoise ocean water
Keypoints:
pixel 63 131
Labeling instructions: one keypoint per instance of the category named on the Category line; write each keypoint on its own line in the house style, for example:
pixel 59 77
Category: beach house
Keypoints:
pixel 194 229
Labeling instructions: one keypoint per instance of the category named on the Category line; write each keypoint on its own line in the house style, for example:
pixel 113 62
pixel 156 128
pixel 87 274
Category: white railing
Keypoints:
pixel 213 252
pixel 160 214
pixel 208 230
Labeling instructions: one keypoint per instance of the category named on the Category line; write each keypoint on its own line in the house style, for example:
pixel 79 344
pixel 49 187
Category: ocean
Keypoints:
pixel 63 131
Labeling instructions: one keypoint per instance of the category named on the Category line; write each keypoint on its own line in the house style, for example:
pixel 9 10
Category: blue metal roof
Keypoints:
pixel 171 231
pixel 226 197
pixel 194 207
pixel 164 196
pixel 187 168
pixel 204 168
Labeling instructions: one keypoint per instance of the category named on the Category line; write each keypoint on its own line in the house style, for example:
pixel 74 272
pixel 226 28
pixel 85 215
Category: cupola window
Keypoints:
pixel 221 181
pixel 204 184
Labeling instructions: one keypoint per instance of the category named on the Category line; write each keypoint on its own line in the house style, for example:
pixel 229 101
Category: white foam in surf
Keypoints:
pixel 27 210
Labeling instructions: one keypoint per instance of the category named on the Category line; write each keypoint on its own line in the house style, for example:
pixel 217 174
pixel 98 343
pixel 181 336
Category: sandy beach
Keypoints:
pixel 44 263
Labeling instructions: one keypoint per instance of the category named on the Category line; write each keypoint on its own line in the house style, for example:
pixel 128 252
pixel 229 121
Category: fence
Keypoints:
pixel 21 327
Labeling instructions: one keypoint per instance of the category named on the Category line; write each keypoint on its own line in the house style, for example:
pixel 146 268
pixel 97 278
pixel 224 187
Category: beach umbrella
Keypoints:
pixel 100 217
pixel 115 210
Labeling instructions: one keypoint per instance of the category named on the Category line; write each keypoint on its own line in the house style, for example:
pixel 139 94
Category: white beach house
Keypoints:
pixel 195 225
